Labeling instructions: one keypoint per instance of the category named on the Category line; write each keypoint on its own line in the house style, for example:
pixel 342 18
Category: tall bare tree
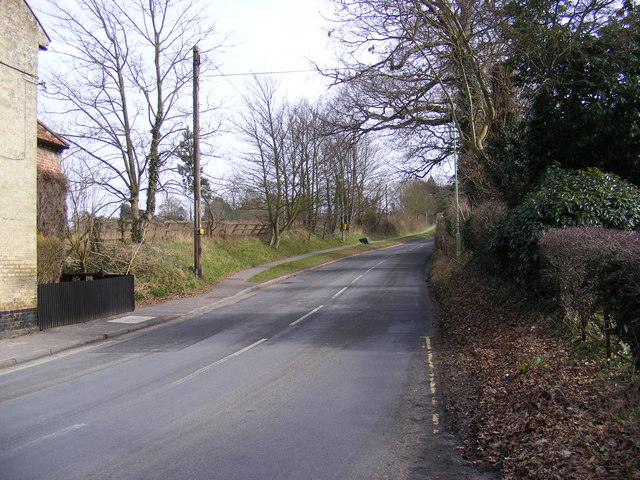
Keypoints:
pixel 349 169
pixel 307 140
pixel 130 69
pixel 270 170
pixel 419 67
pixel 296 170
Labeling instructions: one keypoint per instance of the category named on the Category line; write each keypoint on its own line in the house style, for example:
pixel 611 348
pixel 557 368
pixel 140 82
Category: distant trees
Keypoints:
pixel 130 63
pixel 296 169
pixel 351 168
pixel 419 198
pixel 172 209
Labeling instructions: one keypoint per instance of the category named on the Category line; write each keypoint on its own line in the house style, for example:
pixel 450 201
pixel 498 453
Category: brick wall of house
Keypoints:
pixel 48 160
pixel 21 37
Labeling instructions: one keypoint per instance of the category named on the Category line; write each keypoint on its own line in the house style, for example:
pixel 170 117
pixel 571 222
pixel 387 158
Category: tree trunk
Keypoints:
pixel 137 227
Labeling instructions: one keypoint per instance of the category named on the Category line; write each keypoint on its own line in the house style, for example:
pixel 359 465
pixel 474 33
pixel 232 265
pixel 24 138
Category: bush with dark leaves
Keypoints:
pixel 563 198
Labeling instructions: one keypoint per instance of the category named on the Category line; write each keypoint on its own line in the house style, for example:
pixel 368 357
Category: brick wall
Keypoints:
pixel 13 322
pixel 21 36
pixel 48 160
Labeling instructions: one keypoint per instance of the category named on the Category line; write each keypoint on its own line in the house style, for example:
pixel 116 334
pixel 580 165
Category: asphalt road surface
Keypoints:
pixel 324 376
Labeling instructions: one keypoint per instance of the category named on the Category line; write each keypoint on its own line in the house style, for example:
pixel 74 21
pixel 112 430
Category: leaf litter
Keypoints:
pixel 522 401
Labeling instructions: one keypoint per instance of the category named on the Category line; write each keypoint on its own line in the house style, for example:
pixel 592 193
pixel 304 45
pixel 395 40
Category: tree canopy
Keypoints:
pixel 524 85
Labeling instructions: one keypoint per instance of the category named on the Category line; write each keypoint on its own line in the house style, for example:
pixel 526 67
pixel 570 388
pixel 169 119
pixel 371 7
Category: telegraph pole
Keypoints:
pixel 455 166
pixel 197 230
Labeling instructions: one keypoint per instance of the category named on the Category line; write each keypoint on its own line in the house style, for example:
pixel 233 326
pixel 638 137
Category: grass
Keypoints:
pixel 165 270
pixel 321 258
pixel 304 263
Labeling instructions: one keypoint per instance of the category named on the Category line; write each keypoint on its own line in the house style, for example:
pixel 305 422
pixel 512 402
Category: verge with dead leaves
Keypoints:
pixel 522 398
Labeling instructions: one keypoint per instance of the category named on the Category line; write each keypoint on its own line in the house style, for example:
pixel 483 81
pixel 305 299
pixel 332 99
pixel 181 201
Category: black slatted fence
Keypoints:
pixel 66 303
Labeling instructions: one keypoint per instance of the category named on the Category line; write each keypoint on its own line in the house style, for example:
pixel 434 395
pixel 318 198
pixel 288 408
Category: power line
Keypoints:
pixel 250 74
pixel 282 72
pixel 30 75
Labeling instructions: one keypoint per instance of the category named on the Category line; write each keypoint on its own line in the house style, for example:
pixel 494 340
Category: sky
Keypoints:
pixel 267 36
pixel 274 35
pixel 262 36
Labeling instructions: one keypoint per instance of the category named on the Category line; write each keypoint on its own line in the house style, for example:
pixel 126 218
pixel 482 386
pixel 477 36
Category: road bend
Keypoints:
pixel 324 376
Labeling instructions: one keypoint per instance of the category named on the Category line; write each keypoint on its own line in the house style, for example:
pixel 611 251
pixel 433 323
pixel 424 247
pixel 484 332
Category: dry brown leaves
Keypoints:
pixel 520 402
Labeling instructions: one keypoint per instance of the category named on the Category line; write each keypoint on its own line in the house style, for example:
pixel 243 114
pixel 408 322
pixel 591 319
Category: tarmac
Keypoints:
pixel 38 345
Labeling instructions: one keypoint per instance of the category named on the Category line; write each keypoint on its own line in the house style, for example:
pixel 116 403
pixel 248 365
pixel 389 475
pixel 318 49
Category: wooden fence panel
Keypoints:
pixel 67 303
pixel 112 230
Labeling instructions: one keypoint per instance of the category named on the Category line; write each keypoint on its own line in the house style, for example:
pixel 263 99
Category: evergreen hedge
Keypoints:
pixel 563 198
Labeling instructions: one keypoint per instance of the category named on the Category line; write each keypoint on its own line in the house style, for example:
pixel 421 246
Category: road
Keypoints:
pixel 323 376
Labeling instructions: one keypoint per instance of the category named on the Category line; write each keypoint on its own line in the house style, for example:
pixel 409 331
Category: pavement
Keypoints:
pixel 38 345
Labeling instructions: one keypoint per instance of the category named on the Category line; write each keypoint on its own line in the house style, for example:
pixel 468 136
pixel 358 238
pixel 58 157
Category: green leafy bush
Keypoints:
pixel 564 198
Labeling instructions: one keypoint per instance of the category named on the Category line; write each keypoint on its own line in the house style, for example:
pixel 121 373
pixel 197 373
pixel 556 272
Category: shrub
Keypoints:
pixel 50 259
pixel 564 198
pixel 444 242
pixel 593 273
pixel 621 284
pixel 478 230
pixel 52 207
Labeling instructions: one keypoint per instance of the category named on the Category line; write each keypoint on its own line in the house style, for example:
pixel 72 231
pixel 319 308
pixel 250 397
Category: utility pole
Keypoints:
pixel 197 231
pixel 455 166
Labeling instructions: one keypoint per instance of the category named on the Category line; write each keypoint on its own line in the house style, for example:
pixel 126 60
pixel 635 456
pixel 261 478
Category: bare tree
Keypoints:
pixel 418 67
pixel 349 169
pixel 130 65
pixel 307 139
pixel 85 203
pixel 296 170
pixel 271 171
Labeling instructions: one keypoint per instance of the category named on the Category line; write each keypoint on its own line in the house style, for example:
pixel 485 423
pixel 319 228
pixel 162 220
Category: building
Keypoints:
pixel 52 185
pixel 50 147
pixel 21 37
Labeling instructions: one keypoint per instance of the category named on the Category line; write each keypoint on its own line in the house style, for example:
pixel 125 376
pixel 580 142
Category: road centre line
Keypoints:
pixel 51 436
pixel 356 279
pixel 216 363
pixel 340 292
pixel 306 316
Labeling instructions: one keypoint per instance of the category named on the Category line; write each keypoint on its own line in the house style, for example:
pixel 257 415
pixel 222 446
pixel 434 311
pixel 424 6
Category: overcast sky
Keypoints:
pixel 274 35
pixel 263 36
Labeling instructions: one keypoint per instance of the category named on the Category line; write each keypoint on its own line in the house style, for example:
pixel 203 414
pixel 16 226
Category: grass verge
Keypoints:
pixel 322 258
pixel 165 270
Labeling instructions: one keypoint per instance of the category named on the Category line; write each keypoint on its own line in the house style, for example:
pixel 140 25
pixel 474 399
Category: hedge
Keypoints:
pixel 593 275
pixel 564 198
